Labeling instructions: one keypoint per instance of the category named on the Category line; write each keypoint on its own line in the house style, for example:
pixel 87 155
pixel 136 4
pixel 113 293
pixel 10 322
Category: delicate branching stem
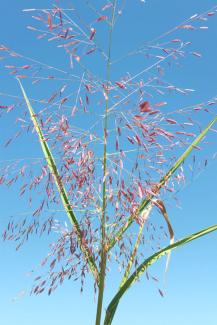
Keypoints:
pixel 161 183
pixel 136 247
pixel 104 204
pixel 132 256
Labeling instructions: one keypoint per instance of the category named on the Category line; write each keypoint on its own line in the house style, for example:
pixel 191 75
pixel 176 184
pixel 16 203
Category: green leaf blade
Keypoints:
pixel 161 183
pixel 149 261
pixel 61 189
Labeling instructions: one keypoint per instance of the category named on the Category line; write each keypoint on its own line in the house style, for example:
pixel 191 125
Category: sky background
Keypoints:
pixel 191 286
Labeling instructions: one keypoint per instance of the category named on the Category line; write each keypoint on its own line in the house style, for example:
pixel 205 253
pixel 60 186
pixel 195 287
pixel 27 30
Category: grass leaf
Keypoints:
pixel 163 210
pixel 144 265
pixel 61 189
pixel 161 183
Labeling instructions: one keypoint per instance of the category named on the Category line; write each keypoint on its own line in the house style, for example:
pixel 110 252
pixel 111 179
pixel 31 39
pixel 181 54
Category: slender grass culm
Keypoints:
pixel 113 151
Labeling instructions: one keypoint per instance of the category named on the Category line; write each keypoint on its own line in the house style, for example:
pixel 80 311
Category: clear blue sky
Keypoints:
pixel 191 287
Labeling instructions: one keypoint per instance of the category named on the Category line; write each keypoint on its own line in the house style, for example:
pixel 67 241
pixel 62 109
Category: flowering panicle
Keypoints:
pixel 144 137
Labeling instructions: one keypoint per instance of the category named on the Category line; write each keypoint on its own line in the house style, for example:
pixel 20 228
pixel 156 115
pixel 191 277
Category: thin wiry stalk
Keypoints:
pixel 145 215
pixel 161 183
pixel 61 189
pixel 136 247
pixel 144 265
pixel 104 204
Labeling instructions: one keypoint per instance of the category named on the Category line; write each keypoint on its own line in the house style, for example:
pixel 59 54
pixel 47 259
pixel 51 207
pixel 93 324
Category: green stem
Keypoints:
pixel 132 257
pixel 104 204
